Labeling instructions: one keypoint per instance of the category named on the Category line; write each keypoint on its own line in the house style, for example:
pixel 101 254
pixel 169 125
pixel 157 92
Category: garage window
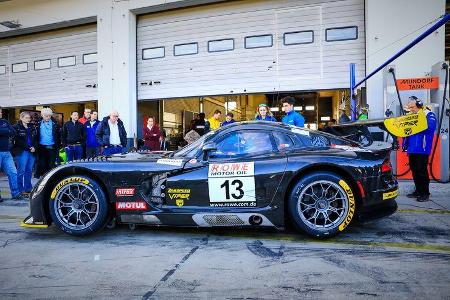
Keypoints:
pixel 2 70
pixel 341 34
pixel 66 61
pixel 152 53
pixel 20 67
pixel 185 49
pixel 221 45
pixel 42 64
pixel 298 37
pixel 258 41
pixel 90 58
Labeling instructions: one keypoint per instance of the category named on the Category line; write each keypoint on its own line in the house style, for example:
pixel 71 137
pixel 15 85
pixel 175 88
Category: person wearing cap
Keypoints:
pixel 418 147
pixel 292 117
pixel 264 114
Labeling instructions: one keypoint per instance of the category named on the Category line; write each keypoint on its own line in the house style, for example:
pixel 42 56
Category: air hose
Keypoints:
pixel 444 98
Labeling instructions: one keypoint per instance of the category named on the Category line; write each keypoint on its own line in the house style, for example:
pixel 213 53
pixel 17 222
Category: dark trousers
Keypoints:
pixel 46 159
pixel 92 152
pixel 418 164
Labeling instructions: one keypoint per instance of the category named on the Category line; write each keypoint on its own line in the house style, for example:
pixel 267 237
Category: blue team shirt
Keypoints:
pixel 294 118
pixel 46 133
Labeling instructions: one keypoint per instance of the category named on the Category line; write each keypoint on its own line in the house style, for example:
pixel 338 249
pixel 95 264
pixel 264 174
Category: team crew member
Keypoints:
pixel 92 147
pixel 228 120
pixel 152 133
pixel 49 137
pixel 264 114
pixel 86 116
pixel 111 134
pixel 25 145
pixel 73 137
pixel 292 117
pixel 418 147
pixel 214 122
pixel 200 124
pixel 6 160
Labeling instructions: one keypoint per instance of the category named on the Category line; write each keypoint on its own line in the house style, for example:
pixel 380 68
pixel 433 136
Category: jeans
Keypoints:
pixel 25 163
pixel 7 165
pixel 92 152
pixel 74 152
pixel 110 150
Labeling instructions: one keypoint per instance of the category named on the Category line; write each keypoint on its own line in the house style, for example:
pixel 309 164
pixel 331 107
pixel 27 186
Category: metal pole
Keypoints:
pixel 438 24
pixel 392 71
pixel 352 92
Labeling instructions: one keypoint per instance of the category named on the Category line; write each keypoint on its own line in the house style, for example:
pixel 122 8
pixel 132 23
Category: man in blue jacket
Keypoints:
pixel 292 117
pixel 418 147
pixel 7 165
pixel 90 126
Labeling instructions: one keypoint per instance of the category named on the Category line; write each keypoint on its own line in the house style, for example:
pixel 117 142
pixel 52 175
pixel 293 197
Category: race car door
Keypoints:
pixel 244 171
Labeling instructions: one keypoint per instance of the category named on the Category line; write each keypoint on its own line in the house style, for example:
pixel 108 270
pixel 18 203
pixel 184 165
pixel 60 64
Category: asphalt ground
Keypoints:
pixel 404 256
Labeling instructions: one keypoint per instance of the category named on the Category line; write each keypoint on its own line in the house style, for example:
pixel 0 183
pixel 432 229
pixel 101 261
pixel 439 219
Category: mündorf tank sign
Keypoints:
pixel 422 83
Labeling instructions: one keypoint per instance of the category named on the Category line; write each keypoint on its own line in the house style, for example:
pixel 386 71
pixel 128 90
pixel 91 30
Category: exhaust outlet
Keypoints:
pixel 255 220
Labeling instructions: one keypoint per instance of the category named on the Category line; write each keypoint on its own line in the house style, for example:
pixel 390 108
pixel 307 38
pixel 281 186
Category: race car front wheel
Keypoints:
pixel 78 205
pixel 322 204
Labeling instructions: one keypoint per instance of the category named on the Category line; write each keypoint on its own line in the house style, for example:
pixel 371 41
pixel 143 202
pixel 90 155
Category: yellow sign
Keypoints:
pixel 351 205
pixel 180 202
pixel 390 195
pixel 407 125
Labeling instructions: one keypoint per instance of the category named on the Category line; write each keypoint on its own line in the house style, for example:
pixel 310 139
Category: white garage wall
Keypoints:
pixel 319 65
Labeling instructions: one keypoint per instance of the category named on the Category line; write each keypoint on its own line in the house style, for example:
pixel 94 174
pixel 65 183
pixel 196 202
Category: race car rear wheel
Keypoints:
pixel 322 204
pixel 78 205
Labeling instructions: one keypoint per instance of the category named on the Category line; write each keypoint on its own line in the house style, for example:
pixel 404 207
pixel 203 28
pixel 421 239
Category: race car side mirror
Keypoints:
pixel 208 147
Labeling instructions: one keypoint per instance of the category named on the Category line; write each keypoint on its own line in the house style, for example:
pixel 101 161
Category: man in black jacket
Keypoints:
pixel 49 139
pixel 111 134
pixel 7 133
pixel 73 137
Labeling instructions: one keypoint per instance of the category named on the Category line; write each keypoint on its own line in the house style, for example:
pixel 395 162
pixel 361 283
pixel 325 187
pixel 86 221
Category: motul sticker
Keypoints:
pixel 125 192
pixel 138 205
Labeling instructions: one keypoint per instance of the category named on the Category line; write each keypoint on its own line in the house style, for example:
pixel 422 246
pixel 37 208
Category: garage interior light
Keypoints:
pixel 325 118
pixel 309 107
pixel 298 108
pixel 274 109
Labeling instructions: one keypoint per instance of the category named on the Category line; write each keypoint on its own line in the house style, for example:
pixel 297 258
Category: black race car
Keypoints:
pixel 257 174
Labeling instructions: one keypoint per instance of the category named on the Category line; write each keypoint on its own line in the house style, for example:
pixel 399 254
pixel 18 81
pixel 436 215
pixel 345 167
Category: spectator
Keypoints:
pixel 292 117
pixel 25 145
pixel 418 146
pixel 111 134
pixel 152 133
pixel 7 133
pixel 264 114
pixel 364 114
pixel 191 136
pixel 164 145
pixel 214 122
pixel 73 137
pixel 200 124
pixel 343 118
pixel 92 147
pixel 86 116
pixel 49 137
pixel 228 120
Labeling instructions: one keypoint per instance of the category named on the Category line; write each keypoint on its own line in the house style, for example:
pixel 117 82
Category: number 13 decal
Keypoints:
pixel 237 184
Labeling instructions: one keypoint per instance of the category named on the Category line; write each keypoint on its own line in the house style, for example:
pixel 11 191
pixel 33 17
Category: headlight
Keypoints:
pixel 42 183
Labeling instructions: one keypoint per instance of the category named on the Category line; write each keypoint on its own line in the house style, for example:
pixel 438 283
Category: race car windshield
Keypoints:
pixel 190 150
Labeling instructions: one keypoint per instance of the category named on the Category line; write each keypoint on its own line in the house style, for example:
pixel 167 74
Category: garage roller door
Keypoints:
pixel 54 67
pixel 249 47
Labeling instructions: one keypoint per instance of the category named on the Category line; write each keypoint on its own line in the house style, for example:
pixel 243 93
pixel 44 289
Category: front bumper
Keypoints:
pixel 39 217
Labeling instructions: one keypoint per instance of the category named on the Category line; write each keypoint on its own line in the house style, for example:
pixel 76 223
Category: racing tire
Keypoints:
pixel 321 204
pixel 78 205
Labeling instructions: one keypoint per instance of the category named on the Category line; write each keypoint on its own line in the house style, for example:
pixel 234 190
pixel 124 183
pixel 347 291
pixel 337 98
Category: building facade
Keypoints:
pixel 174 59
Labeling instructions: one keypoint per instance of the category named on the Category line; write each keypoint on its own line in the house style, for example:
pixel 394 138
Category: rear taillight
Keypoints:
pixel 386 166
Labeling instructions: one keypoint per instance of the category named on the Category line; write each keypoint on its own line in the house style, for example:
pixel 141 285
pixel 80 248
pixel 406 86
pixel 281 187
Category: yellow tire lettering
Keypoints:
pixel 351 205
pixel 65 182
